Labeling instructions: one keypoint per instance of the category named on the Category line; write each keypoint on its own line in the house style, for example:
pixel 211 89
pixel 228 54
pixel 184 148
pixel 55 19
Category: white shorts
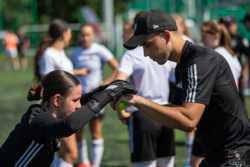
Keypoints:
pixel 10 53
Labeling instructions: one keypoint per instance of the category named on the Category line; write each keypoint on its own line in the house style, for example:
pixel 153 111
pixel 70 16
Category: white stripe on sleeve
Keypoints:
pixel 192 84
pixel 31 145
pixel 196 82
pixel 39 148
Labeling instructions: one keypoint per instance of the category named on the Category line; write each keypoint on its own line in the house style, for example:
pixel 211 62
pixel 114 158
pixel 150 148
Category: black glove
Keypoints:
pixel 87 96
pixel 109 93
pixel 119 87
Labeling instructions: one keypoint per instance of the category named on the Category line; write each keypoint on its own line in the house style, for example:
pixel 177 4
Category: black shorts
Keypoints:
pixel 149 139
pixel 197 149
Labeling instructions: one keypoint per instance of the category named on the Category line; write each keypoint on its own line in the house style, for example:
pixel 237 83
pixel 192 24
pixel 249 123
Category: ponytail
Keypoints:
pixel 35 93
pixel 44 43
pixel 56 29
pixel 225 39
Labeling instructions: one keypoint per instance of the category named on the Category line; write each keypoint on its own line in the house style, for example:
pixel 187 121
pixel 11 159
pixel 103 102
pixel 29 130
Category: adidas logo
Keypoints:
pixel 179 85
pixel 155 26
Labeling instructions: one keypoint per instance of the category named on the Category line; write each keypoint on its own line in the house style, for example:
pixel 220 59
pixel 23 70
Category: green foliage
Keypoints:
pixel 13 12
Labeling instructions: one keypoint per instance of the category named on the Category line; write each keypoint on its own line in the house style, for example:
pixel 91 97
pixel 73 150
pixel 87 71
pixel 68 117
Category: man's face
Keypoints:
pixel 247 25
pixel 156 47
pixel 232 28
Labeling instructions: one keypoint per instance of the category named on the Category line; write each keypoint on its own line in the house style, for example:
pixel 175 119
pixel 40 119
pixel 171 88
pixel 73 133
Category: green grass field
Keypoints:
pixel 13 104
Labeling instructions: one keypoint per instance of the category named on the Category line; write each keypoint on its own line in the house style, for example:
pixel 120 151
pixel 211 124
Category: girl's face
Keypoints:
pixel 70 103
pixel 66 37
pixel 127 34
pixel 208 39
pixel 86 36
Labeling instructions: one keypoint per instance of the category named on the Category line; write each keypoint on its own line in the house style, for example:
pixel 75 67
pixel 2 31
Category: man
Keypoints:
pixel 205 96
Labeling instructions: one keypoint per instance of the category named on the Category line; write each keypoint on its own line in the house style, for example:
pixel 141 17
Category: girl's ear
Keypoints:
pixel 57 99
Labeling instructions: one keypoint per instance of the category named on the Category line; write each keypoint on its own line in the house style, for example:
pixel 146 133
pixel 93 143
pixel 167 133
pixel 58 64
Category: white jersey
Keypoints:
pixel 54 60
pixel 93 58
pixel 186 38
pixel 232 61
pixel 148 77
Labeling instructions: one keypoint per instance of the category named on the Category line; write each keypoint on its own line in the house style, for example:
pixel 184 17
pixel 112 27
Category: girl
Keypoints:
pixel 35 139
pixel 92 56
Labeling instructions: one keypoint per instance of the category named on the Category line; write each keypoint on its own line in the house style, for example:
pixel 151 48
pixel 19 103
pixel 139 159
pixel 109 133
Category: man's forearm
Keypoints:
pixel 174 117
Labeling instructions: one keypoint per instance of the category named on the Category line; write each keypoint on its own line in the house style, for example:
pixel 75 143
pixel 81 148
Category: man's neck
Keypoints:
pixel 178 45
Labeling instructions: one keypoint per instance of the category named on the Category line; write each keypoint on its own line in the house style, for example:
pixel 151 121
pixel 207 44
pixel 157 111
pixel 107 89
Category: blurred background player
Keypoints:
pixel 239 45
pixel 50 56
pixel 184 31
pixel 151 143
pixel 10 42
pixel 92 56
pixel 182 27
pixel 214 35
pixel 22 46
pixel 246 22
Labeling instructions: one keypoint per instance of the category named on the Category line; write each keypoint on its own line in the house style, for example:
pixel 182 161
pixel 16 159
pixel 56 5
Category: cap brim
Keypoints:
pixel 134 41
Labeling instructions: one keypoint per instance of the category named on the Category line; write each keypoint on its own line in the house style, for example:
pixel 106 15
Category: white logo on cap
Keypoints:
pixel 135 26
pixel 155 26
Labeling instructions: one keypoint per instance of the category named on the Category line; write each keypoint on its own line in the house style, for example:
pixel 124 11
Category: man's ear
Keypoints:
pixel 167 35
pixel 57 99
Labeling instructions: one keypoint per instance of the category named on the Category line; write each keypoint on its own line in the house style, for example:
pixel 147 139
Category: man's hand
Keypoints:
pixel 124 116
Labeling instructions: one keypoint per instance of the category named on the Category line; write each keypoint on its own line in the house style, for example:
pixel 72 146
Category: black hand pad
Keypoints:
pixel 119 87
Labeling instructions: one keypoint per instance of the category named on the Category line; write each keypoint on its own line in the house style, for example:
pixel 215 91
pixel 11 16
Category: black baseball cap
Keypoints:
pixel 247 18
pixel 152 21
pixel 230 19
